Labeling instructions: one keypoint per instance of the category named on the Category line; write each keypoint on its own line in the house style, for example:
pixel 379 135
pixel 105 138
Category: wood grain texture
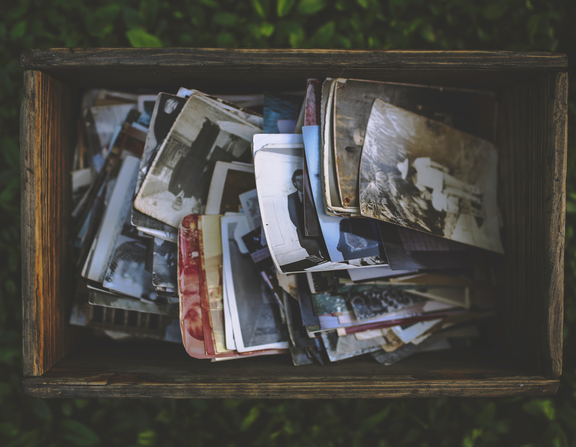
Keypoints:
pixel 46 134
pixel 135 373
pixel 533 174
pixel 212 68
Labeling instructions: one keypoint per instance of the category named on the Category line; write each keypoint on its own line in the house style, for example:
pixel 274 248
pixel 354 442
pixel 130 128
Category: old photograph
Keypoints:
pixel 371 303
pixel 466 110
pixel 166 109
pixel 189 271
pixel 165 264
pixel 212 289
pixel 346 238
pixel 279 178
pixel 229 181
pixel 251 209
pixel 126 271
pixel 256 316
pixel 427 176
pixel 179 179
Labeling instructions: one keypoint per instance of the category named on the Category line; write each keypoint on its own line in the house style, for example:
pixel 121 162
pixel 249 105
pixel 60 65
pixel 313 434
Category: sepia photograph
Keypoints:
pixel 257 321
pixel 179 179
pixel 467 110
pixel 427 176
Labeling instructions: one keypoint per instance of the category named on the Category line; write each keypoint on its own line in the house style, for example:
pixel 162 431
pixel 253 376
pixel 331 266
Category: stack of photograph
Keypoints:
pixel 350 218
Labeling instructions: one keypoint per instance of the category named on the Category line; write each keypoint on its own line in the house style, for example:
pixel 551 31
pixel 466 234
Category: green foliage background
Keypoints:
pixel 519 25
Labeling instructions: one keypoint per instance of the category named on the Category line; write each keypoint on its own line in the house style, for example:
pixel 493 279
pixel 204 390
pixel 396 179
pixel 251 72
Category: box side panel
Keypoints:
pixel 134 372
pixel 45 139
pixel 533 118
pixel 261 69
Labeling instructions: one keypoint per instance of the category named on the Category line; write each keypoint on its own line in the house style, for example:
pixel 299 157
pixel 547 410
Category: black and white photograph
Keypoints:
pixel 346 238
pixel 126 271
pixel 279 180
pixel 340 348
pixel 166 109
pixel 251 208
pixel 427 176
pixel 371 303
pixel 400 260
pixel 100 297
pixel 165 265
pixel 179 179
pixel 118 200
pixel 229 181
pixel 146 104
pixel 256 315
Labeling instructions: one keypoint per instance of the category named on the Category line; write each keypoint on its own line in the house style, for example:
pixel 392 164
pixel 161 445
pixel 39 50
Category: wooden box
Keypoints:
pixel 532 94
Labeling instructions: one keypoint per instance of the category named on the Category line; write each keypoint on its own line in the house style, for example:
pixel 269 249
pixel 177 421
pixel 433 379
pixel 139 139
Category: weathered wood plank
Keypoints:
pixel 533 174
pixel 140 373
pixel 162 58
pixel 519 386
pixel 211 68
pixel 45 142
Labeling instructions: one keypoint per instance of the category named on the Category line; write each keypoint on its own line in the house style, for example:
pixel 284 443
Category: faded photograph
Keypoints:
pixel 280 182
pixel 424 175
pixel 179 179
pixel 358 240
pixel 257 309
pixel 165 264
pixel 126 272
pixel 166 110
pixel 370 304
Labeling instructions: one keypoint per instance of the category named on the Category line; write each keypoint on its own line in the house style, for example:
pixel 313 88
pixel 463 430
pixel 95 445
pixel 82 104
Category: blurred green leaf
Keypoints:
pixel 225 19
pixel 283 7
pixel 139 38
pixel 487 415
pixel 18 30
pixel 494 11
pixel 132 18
pixel 41 409
pixel 259 8
pixel 427 32
pixel 266 29
pixel 8 429
pixel 538 407
pixel 8 354
pixel 210 3
pixel 308 7
pixel 78 433
pixel 147 438
pixel 250 419
pixel 225 40
pixel 323 34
